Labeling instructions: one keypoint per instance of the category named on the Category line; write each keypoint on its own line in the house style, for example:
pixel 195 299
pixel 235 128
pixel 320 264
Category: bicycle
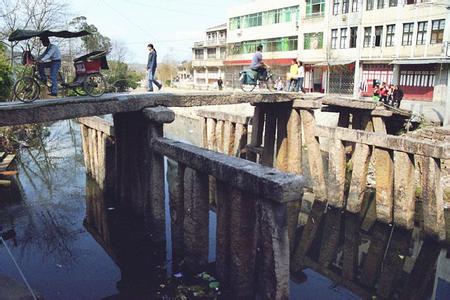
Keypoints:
pixel 250 79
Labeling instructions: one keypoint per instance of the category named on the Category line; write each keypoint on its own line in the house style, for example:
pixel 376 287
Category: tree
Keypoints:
pixel 6 80
pixel 93 42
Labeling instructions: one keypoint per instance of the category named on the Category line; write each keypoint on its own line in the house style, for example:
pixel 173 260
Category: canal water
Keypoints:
pixel 72 242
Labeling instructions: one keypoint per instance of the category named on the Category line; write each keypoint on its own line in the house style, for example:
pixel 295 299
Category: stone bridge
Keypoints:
pixel 257 199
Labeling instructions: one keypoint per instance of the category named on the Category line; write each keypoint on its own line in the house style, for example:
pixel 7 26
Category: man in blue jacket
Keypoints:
pixel 151 68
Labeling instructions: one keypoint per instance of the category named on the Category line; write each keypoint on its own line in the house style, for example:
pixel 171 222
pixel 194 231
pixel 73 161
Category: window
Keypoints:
pixel 367 36
pixel 353 36
pixel 345 6
pixel 315 7
pixel 212 53
pixel 281 15
pixel 271 45
pixel 437 31
pixel 421 33
pixel 390 34
pixel 343 40
pixel 393 3
pixel 378 34
pixel 336 7
pixel 199 54
pixel 313 40
pixel 355 5
pixel 369 5
pixel 407 34
pixel 380 4
pixel 235 23
pixel 223 52
pixel 334 33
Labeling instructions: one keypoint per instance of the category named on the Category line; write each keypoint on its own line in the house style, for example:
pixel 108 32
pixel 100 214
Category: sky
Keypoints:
pixel 171 25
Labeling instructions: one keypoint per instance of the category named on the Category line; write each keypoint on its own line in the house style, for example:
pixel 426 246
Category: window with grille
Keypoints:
pixel 212 53
pixel 378 34
pixel 417 78
pixel 353 36
pixel 437 31
pixel 343 40
pixel 315 7
pixel 313 40
pixel 345 4
pixel 336 7
pixel 334 33
pixel 407 34
pixel 421 33
pixel 390 34
pixel 367 36
pixel 199 54
pixel 393 3
pixel 355 5
pixel 380 4
pixel 369 4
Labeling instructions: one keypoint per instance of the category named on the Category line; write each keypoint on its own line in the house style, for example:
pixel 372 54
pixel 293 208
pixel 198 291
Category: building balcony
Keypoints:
pixel 207 62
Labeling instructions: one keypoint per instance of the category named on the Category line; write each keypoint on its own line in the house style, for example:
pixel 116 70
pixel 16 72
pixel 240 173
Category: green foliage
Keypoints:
pixel 120 78
pixel 95 41
pixel 6 81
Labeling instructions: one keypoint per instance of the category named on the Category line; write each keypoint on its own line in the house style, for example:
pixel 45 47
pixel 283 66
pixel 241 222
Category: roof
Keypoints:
pixel 20 35
pixel 218 27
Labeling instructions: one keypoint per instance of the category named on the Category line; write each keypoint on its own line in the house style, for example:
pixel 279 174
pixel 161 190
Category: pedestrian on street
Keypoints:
pixel 397 96
pixel 301 77
pixel 220 83
pixel 293 75
pixel 151 68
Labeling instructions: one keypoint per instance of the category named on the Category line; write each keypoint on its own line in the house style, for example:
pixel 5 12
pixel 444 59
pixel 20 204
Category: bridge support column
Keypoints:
pixel 140 171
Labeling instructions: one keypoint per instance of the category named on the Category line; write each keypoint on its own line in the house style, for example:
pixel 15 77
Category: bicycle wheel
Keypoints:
pixel 244 86
pixel 27 89
pixel 94 85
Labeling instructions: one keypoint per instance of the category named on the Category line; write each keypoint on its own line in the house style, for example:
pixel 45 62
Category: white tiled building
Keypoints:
pixel 208 57
pixel 394 41
pixel 273 24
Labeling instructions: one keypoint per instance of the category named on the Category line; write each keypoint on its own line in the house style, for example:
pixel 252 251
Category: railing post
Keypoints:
pixel 154 207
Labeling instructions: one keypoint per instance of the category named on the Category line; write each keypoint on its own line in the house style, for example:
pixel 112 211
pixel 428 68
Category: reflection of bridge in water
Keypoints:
pixel 257 206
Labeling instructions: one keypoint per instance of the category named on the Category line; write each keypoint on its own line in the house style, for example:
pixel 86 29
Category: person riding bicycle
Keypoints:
pixel 51 58
pixel 257 63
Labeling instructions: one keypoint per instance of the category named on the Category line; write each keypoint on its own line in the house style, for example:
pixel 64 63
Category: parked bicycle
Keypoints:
pixel 88 78
pixel 250 79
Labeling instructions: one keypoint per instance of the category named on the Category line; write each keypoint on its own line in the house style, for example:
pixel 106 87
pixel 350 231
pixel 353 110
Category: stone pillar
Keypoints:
pixel 446 122
pixel 357 79
pixel 396 74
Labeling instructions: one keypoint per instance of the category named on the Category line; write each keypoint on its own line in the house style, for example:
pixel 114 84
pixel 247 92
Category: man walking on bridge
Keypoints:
pixel 151 68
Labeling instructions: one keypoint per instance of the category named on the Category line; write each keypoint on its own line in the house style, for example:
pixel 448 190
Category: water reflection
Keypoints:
pixel 59 258
pixel 369 260
pixel 125 238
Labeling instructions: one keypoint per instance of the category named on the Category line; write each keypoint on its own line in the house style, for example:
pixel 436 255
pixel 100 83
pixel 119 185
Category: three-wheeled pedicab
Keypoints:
pixel 88 78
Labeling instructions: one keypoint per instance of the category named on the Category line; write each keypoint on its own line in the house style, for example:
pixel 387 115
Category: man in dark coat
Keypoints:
pixel 151 68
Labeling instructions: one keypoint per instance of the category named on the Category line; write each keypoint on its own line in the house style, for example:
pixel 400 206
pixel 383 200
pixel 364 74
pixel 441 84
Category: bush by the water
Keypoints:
pixel 6 81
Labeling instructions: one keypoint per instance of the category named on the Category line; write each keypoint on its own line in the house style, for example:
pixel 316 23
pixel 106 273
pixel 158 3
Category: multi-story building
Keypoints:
pixel 273 24
pixel 208 57
pixel 362 42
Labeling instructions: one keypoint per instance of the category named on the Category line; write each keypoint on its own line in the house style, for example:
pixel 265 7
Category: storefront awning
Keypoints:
pixel 335 63
pixel 423 61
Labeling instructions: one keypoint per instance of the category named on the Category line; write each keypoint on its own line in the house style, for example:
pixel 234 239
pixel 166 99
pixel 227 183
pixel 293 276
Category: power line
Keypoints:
pixel 190 13
pixel 127 19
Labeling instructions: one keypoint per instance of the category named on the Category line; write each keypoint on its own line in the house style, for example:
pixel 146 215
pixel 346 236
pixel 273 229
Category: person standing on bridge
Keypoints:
pixel 151 68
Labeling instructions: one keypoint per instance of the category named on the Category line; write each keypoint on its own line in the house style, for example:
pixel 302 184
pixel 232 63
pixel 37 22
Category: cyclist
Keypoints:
pixel 257 63
pixel 51 58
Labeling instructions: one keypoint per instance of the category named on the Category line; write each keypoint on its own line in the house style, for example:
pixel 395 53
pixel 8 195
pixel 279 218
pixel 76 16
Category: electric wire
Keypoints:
pixel 18 268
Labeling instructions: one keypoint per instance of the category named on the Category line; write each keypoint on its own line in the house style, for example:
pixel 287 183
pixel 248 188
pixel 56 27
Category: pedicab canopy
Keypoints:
pixel 20 35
